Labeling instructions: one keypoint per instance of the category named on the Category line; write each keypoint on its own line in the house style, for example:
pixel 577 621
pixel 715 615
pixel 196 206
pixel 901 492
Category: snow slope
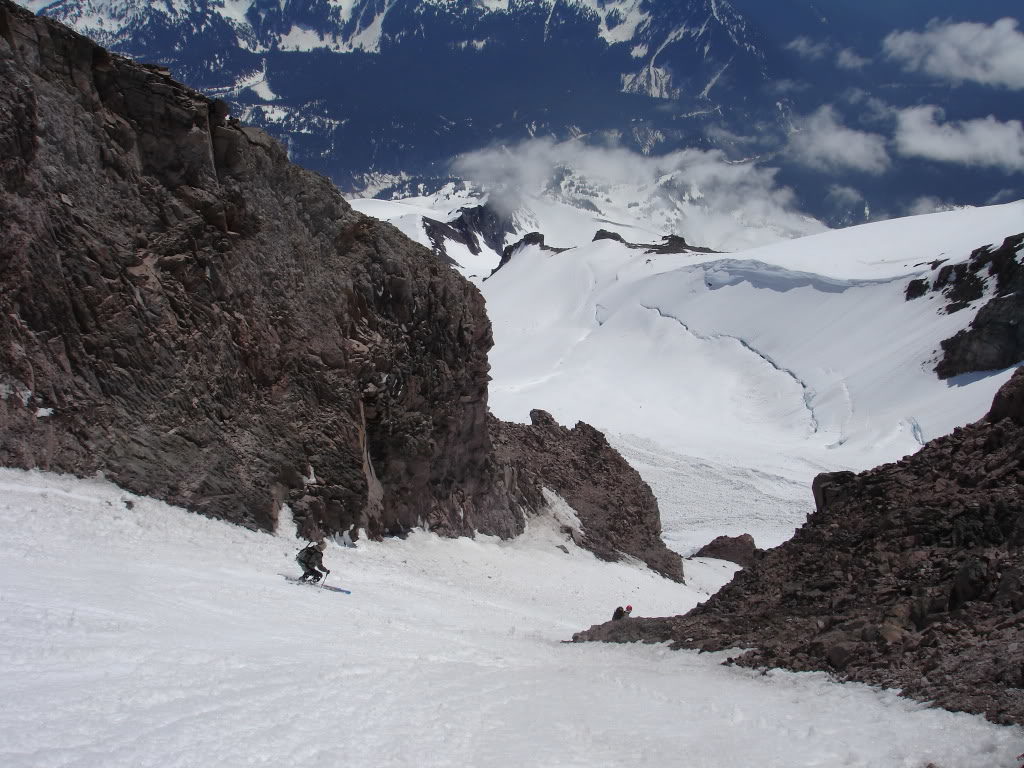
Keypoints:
pixel 730 380
pixel 136 634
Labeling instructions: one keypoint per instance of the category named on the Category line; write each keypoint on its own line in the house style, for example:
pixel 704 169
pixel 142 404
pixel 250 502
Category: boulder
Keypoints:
pixel 1009 401
pixel 736 549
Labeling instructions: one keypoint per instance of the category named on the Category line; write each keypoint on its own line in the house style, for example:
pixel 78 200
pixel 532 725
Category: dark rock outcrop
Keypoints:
pixel 204 322
pixel 440 233
pixel 469 228
pixel 629 630
pixel 604 234
pixel 993 341
pixel 618 512
pixel 486 222
pixel 676 244
pixel 916 288
pixel 995 338
pixel 736 549
pixel 668 244
pixel 910 576
pixel 530 238
pixel 964 282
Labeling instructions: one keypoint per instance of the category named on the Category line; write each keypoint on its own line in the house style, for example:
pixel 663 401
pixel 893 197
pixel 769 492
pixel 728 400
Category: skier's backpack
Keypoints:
pixel 304 555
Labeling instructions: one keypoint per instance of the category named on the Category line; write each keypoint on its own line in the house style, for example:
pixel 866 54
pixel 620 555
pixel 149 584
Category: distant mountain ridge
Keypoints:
pixel 382 95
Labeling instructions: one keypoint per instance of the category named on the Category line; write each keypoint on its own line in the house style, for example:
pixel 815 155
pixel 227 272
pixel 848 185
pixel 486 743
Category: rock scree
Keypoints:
pixel 203 322
pixel 910 576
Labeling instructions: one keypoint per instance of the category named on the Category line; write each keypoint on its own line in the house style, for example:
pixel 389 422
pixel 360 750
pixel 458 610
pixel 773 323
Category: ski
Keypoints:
pixel 327 587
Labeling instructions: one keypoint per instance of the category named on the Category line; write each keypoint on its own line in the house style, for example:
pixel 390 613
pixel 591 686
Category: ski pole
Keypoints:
pixel 323 580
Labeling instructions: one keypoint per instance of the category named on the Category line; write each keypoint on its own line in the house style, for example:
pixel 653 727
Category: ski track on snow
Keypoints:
pixel 150 636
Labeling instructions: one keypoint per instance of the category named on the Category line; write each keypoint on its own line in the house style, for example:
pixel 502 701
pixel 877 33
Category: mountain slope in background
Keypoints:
pixel 731 380
pixel 382 95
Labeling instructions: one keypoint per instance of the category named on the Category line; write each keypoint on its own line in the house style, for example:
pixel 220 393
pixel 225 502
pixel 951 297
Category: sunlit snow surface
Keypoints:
pixel 152 637
pixel 730 380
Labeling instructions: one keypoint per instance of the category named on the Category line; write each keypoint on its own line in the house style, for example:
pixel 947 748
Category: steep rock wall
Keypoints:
pixel 186 311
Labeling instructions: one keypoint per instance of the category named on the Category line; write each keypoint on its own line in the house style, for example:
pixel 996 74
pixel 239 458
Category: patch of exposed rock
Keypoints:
pixel 485 222
pixel 736 549
pixel 618 512
pixel 910 575
pixel 668 244
pixel 995 338
pixel 530 238
pixel 473 224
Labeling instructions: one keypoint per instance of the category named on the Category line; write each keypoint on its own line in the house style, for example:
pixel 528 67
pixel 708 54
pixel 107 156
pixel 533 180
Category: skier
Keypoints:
pixel 622 613
pixel 311 559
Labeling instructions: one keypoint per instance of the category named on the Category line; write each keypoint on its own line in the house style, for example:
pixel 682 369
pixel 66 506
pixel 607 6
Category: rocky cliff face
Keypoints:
pixel 995 338
pixel 618 512
pixel 206 323
pixel 910 575
pixel 188 312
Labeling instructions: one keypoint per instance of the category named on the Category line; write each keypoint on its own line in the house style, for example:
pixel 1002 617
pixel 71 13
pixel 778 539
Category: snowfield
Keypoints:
pixel 137 634
pixel 731 380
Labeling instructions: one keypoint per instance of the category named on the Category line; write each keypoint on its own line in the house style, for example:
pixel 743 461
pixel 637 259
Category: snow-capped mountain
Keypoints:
pixel 382 95
pixel 570 200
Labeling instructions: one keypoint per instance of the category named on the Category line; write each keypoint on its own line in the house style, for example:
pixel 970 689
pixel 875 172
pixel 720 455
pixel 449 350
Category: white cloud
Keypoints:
pixel 821 141
pixel 842 196
pixel 727 205
pixel 808 48
pixel 1005 196
pixel 786 86
pixel 985 142
pixel 966 51
pixel 871 109
pixel 929 204
pixel 848 59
